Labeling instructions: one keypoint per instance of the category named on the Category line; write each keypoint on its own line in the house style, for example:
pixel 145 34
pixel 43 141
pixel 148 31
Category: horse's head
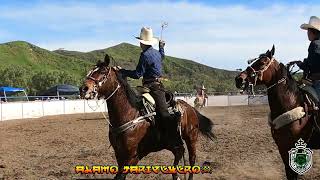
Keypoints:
pixel 259 72
pixel 101 81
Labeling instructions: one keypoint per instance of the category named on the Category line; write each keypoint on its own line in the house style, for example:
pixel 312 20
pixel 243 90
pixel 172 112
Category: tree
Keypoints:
pixel 15 76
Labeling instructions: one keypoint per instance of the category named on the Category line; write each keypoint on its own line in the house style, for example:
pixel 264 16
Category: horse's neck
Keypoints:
pixel 281 98
pixel 119 108
pixel 200 96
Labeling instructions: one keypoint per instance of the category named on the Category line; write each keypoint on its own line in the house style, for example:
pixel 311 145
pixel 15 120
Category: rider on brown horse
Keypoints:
pixel 311 65
pixel 150 68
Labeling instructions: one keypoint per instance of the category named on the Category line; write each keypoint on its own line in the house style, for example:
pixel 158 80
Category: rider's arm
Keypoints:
pixel 161 48
pixel 314 55
pixel 303 65
pixel 312 59
pixel 140 69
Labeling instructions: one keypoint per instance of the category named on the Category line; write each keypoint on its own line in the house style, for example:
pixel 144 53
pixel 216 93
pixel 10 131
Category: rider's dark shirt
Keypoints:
pixel 311 65
pixel 149 66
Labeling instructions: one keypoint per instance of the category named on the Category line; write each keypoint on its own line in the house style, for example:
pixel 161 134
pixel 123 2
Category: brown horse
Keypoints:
pixel 200 101
pixel 123 106
pixel 283 96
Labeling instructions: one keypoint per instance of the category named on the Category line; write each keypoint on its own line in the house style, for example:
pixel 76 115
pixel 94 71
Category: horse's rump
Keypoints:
pixel 198 120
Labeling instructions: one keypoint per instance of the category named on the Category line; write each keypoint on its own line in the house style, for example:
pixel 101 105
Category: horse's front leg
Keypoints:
pixel 178 153
pixel 284 147
pixel 291 175
pixel 131 161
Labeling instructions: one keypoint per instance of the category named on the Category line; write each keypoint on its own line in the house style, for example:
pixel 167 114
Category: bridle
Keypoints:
pixel 258 74
pixel 101 81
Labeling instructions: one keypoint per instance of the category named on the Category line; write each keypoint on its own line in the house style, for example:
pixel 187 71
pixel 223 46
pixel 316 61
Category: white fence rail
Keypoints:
pixel 36 109
pixel 223 100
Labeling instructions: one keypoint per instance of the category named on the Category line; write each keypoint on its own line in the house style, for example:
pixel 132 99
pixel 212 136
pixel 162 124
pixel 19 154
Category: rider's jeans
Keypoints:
pixel 316 86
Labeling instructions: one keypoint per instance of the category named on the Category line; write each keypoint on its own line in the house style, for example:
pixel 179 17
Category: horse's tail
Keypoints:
pixel 205 126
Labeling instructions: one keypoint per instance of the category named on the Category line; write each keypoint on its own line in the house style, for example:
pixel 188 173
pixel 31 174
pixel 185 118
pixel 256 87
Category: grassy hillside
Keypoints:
pixel 28 55
pixel 26 65
pixel 182 74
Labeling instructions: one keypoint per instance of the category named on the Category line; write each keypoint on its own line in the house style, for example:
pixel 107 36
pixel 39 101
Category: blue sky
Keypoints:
pixel 219 33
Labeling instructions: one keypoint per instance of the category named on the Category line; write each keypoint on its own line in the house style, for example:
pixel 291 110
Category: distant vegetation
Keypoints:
pixel 36 69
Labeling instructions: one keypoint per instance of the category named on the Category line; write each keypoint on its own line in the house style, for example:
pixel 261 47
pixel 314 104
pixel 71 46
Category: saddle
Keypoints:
pixel 149 103
pixel 145 93
pixel 310 94
pixel 311 99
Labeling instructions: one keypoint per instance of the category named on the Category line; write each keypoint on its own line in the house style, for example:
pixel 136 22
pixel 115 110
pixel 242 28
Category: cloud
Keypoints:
pixel 83 45
pixel 222 36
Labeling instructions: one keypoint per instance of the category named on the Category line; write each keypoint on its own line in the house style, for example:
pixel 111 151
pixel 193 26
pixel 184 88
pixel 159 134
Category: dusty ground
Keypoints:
pixel 50 147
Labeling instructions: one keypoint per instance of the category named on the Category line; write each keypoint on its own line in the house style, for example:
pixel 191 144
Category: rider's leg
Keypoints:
pixel 316 86
pixel 157 92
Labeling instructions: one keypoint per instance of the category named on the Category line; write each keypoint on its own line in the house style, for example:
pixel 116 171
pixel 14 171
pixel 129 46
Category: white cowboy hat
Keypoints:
pixel 146 36
pixel 203 87
pixel 314 23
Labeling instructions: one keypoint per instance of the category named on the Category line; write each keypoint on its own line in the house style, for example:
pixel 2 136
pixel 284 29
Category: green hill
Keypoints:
pixel 182 74
pixel 29 66
pixel 26 65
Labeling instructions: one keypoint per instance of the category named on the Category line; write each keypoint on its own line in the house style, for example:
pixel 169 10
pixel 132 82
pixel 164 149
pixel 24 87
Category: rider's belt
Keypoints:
pixel 151 80
pixel 315 76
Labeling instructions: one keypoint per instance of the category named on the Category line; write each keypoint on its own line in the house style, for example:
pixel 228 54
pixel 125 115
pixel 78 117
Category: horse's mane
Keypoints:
pixel 101 64
pixel 134 100
pixel 291 82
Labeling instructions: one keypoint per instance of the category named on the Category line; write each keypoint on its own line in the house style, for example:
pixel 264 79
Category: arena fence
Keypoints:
pixel 55 106
pixel 229 100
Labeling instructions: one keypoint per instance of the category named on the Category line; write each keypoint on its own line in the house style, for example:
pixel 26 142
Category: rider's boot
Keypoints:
pixel 173 134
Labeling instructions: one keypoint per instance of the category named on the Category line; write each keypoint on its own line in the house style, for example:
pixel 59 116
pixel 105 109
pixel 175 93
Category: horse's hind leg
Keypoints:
pixel 178 153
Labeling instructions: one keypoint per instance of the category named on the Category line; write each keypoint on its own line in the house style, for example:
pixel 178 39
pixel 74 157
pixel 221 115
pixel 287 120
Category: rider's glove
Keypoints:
pixel 162 43
pixel 118 68
pixel 298 63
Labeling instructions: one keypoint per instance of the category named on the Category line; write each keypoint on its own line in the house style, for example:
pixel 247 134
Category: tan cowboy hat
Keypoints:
pixel 314 23
pixel 146 36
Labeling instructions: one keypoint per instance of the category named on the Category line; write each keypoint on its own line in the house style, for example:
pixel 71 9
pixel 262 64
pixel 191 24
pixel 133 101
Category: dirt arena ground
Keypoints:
pixel 50 147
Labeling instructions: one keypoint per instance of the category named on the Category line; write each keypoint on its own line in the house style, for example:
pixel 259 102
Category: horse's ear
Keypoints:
pixel 107 59
pixel 273 49
pixel 268 52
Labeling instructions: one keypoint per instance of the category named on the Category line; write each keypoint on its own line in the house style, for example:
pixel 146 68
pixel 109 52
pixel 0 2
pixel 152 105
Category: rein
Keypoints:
pixel 125 126
pixel 99 83
pixel 279 82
